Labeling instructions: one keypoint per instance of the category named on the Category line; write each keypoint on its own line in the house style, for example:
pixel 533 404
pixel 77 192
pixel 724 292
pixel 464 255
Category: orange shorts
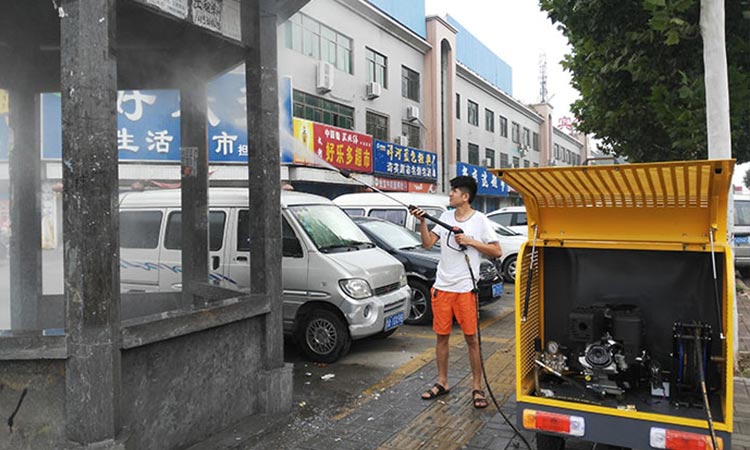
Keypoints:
pixel 447 305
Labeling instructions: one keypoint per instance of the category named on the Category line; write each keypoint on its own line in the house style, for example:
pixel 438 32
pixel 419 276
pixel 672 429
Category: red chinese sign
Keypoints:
pixel 391 184
pixel 342 148
pixel 427 188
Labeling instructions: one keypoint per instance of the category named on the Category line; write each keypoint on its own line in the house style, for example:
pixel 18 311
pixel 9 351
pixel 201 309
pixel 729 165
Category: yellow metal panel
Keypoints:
pixel 674 202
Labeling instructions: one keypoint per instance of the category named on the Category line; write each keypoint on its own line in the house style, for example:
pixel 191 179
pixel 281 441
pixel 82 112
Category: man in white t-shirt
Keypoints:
pixel 453 294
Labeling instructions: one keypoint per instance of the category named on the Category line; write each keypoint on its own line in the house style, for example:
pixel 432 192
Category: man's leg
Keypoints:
pixel 441 354
pixel 475 360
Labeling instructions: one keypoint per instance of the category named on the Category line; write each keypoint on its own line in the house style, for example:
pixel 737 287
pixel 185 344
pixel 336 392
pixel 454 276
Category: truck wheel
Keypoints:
pixel 323 337
pixel 549 442
pixel 509 269
pixel 420 311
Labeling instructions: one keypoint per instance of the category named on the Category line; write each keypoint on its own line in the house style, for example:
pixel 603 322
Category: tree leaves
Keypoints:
pixel 639 69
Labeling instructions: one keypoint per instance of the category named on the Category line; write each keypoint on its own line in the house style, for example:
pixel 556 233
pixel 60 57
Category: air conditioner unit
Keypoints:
pixel 373 90
pixel 402 140
pixel 324 77
pixel 488 162
pixel 412 112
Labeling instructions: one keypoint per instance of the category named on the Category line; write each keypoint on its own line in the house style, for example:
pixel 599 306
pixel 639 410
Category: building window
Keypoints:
pixel 516 162
pixel 412 132
pixel 503 127
pixel 536 164
pixel 503 160
pixel 474 154
pixel 525 163
pixel 409 84
pixel 377 67
pixel 557 151
pixel 318 109
pixel 515 133
pixel 489 156
pixel 310 37
pixel 489 120
pixel 567 156
pixel 458 106
pixel 473 113
pixel 535 141
pixel 458 149
pixel 377 126
pixel 526 137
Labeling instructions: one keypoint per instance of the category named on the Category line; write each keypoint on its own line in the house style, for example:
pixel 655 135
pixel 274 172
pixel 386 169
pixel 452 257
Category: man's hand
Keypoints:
pixel 464 240
pixel 417 212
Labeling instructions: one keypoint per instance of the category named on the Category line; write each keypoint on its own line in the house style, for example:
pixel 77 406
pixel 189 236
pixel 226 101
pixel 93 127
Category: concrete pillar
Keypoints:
pixel 193 136
pixel 25 196
pixel 259 36
pixel 90 216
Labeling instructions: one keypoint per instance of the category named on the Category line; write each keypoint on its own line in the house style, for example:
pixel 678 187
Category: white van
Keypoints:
pixel 375 204
pixel 742 233
pixel 337 285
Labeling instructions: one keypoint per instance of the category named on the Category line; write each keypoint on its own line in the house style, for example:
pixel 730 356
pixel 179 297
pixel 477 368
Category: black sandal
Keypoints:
pixel 434 392
pixel 481 401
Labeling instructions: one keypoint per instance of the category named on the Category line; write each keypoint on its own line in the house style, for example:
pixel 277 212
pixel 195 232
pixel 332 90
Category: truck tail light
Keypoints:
pixel 556 423
pixel 682 440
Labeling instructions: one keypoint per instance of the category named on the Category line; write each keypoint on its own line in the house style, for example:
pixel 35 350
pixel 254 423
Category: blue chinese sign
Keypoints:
pixel 487 183
pixel 404 162
pixel 148 122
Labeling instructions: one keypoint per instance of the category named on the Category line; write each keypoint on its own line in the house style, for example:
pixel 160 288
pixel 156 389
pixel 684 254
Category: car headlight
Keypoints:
pixel 403 281
pixel 356 288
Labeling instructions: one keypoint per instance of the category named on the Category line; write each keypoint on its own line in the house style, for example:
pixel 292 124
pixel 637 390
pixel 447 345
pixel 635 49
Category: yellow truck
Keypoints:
pixel 624 305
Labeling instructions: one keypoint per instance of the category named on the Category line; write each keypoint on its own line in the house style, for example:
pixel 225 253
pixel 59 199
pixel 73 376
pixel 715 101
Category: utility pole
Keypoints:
pixel 717 112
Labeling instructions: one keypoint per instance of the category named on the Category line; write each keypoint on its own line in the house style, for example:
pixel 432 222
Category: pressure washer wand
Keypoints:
pixel 435 220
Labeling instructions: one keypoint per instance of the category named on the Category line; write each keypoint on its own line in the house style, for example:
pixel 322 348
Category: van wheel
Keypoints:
pixel 420 311
pixel 549 442
pixel 509 269
pixel 323 337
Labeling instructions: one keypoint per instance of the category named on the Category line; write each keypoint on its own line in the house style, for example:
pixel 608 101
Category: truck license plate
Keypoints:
pixel 394 321
pixel 497 290
pixel 741 240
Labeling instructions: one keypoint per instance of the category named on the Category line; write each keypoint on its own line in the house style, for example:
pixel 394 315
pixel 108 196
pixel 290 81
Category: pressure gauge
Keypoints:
pixel 553 347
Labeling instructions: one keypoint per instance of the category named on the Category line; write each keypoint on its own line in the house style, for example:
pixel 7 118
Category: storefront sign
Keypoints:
pixel 487 183
pixel 344 149
pixel 391 184
pixel 405 162
pixel 427 188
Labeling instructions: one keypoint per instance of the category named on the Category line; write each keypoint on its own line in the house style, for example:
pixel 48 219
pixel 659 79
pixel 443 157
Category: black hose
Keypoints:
pixel 481 360
pixel 704 392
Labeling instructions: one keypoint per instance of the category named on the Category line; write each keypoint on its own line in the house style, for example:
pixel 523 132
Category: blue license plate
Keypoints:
pixel 394 321
pixel 497 290
pixel 741 240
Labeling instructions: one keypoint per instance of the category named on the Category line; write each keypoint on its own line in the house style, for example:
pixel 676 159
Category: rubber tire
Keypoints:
pixel 549 442
pixel 420 289
pixel 332 327
pixel 509 265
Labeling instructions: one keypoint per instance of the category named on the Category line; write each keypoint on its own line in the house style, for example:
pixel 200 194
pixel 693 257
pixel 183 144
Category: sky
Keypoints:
pixel 518 32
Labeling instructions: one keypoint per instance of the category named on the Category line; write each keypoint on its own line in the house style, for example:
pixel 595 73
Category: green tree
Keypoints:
pixel 746 179
pixel 639 68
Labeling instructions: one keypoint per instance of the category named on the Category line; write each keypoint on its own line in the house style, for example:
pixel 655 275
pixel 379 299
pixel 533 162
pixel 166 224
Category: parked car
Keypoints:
pixel 742 234
pixel 513 217
pixel 337 285
pixel 510 241
pixel 421 266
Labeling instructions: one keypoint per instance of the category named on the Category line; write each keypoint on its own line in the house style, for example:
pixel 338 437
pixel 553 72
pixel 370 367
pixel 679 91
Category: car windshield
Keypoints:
pixel 502 230
pixel 392 234
pixel 330 229
pixel 742 212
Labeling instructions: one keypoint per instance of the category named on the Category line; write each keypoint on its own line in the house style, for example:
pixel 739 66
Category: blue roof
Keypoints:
pixel 411 13
pixel 472 53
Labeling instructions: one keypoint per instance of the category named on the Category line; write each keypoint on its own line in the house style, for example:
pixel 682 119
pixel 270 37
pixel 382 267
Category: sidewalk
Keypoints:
pixel 393 417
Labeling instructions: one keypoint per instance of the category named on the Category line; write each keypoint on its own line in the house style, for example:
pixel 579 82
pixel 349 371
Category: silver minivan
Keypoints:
pixel 337 285
pixel 742 233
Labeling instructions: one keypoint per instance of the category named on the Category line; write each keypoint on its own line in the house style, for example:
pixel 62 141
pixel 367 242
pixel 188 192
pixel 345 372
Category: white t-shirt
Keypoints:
pixel 452 272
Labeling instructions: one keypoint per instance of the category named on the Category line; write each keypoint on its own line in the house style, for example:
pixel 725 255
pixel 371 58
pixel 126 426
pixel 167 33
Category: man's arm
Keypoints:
pixel 491 249
pixel 428 237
